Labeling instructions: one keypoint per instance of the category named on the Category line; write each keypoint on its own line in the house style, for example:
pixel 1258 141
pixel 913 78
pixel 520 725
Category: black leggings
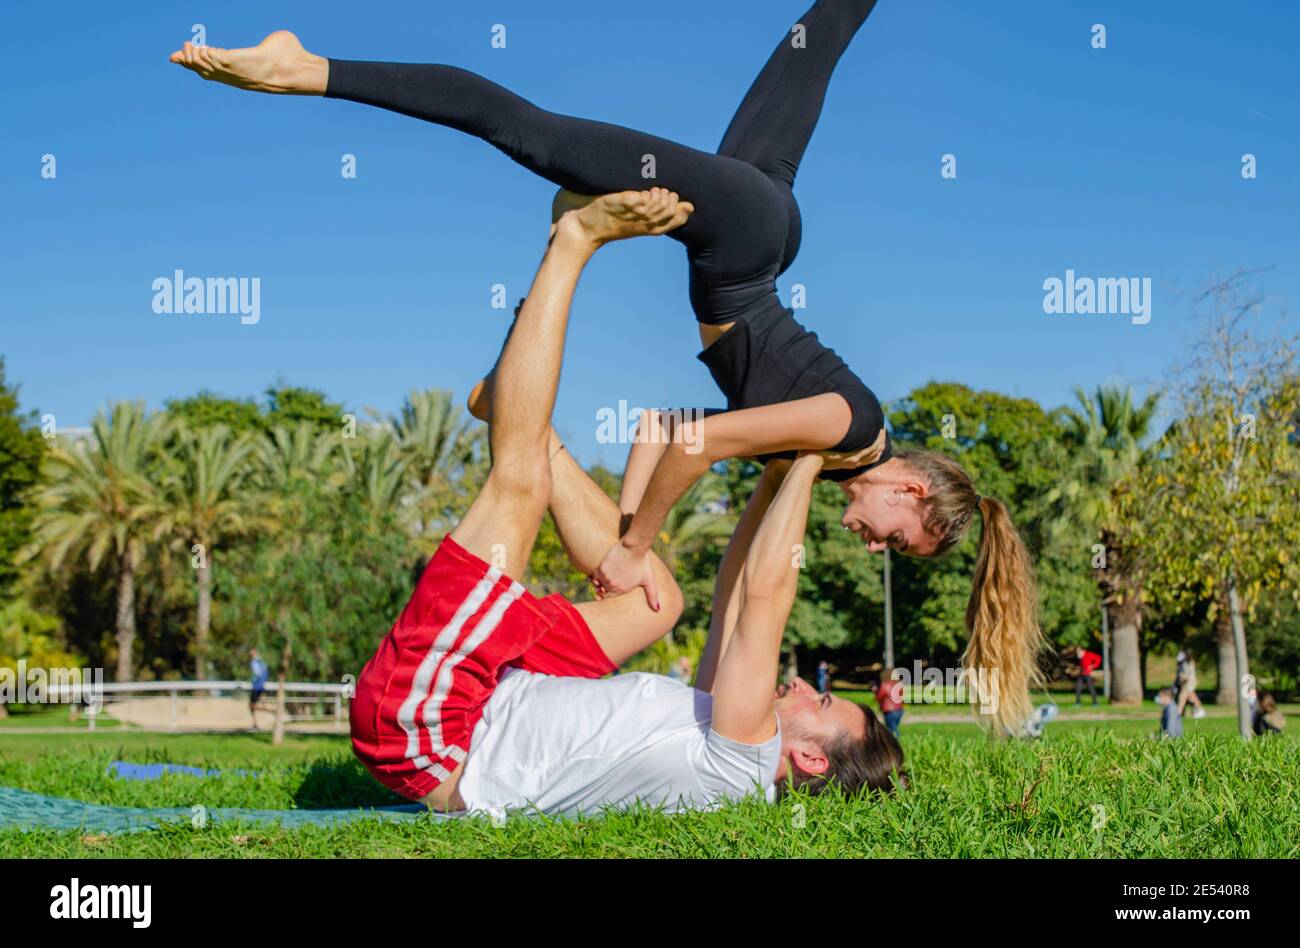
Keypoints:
pixel 746 228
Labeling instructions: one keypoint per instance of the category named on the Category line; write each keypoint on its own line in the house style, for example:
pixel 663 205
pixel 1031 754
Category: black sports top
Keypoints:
pixel 768 357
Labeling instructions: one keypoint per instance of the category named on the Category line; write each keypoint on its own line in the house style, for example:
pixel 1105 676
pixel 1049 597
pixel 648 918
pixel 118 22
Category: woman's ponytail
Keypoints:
pixel 1003 635
pixel 1004 638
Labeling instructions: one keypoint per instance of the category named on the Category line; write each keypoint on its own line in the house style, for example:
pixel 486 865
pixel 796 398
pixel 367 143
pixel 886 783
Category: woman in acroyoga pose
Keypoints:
pixel 786 391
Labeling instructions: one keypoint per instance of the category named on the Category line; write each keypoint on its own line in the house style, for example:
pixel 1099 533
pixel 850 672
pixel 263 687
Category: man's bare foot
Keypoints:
pixel 278 64
pixel 626 214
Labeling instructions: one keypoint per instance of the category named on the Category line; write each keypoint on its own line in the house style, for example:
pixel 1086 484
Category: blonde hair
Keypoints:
pixel 1002 629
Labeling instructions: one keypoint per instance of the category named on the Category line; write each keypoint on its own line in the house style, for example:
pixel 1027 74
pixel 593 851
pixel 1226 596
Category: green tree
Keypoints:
pixel 102 502
pixel 1104 441
pixel 302 452
pixel 1224 502
pixel 205 503
pixel 31 636
pixel 21 451
pixel 377 474
pixel 701 517
pixel 1005 444
pixel 205 410
pixel 290 405
pixel 444 453
pixel 317 595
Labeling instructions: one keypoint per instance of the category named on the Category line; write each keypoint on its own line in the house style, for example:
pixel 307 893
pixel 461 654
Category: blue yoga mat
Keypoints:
pixel 22 809
pixel 129 771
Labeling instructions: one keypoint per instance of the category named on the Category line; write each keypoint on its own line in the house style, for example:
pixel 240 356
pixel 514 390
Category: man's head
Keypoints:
pixel 825 738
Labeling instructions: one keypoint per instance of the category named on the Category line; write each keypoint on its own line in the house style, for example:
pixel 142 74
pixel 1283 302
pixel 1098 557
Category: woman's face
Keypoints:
pixel 888 514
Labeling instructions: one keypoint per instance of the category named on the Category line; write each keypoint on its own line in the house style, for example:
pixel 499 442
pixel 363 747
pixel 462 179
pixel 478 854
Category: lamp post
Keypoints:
pixel 889 618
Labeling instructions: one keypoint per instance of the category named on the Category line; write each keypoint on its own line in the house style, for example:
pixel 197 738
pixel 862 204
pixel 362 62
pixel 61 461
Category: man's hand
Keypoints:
pixel 602 220
pixel 839 461
pixel 622 570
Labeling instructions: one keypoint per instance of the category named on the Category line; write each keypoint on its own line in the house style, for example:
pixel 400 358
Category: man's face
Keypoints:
pixel 810 721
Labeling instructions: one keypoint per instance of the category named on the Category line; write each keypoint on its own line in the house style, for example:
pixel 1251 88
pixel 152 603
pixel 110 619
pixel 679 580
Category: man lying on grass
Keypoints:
pixel 485 698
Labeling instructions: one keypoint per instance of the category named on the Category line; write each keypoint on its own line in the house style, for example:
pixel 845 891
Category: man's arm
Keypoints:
pixel 746 675
pixel 731 572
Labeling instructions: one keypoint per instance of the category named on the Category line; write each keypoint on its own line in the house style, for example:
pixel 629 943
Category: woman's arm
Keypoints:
pixel 655 431
pixel 807 424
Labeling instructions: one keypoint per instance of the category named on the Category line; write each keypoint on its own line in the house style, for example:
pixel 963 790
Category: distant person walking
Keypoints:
pixel 260 674
pixel 889 695
pixel 1089 662
pixel 682 670
pixel 1185 684
pixel 823 678
pixel 1171 722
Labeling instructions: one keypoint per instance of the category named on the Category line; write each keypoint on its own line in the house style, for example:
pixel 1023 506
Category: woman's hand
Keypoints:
pixel 623 570
pixel 620 216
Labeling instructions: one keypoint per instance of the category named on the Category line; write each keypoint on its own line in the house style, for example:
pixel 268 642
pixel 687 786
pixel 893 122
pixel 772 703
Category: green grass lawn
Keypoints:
pixel 1209 795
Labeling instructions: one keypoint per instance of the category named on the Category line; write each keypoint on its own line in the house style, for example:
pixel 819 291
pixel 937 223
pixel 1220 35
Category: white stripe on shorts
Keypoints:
pixel 429 664
pixel 487 625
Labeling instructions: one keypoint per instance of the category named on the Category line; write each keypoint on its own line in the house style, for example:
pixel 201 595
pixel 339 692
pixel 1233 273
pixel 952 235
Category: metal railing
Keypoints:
pixel 175 689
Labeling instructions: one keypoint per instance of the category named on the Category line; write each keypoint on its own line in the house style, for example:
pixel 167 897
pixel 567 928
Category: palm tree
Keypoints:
pixel 102 501
pixel 205 502
pixel 439 443
pixel 1103 440
pixel 378 474
pixel 700 516
pixel 302 453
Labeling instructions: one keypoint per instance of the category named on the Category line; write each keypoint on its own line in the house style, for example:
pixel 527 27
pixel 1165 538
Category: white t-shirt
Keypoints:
pixel 577 745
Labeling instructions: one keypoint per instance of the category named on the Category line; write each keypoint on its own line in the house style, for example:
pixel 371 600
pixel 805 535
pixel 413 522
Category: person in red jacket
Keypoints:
pixel 889 695
pixel 1089 662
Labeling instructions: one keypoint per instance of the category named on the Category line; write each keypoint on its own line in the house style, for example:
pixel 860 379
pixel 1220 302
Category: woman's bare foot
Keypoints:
pixel 278 64
pixel 626 214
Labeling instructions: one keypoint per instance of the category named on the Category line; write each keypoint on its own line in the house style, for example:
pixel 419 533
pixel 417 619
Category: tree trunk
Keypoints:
pixel 792 665
pixel 1227 654
pixel 125 619
pixel 203 624
pixel 277 732
pixel 1126 618
pixel 1244 722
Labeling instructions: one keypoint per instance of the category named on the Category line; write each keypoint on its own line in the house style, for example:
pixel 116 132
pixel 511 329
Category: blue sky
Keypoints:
pixel 1116 162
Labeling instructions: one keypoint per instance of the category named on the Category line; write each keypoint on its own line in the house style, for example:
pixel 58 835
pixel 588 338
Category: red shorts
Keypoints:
pixel 418 700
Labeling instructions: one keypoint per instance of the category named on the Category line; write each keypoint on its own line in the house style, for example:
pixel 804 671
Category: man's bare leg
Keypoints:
pixel 587 521
pixel 503 521
pixel 279 64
